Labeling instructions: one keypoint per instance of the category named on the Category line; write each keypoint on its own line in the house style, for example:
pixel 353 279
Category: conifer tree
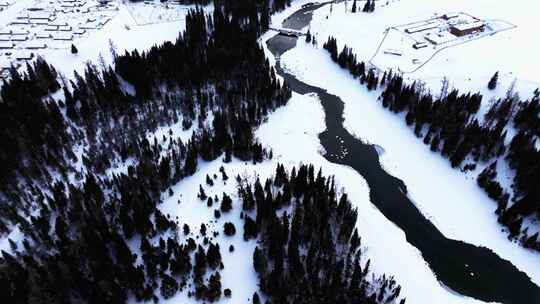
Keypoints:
pixel 226 203
pixel 229 229
pixel 493 81
pixel 256 299
pixel 367 6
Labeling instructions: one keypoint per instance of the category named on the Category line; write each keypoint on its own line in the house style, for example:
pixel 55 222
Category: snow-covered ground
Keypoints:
pixel 123 30
pixel 238 274
pixel 450 199
pixel 156 12
pixel 462 210
pixel 468 66
pixel 292 132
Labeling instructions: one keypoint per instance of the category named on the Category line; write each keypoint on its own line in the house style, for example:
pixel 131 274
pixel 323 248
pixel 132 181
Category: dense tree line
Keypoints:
pixel 40 141
pixel 347 60
pixel 79 221
pixel 76 246
pixel 309 249
pixel 257 11
pixel 450 124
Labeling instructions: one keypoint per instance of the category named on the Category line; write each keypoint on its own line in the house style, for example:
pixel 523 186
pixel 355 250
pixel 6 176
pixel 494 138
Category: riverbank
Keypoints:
pixel 468 269
pixel 451 200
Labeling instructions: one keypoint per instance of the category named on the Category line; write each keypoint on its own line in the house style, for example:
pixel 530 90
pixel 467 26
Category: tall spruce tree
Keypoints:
pixel 492 84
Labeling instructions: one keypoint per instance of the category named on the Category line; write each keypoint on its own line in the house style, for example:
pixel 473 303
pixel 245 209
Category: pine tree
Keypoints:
pixel 226 203
pixel 224 175
pixel 493 81
pixel 250 228
pixel 169 286
pixel 214 288
pixel 213 256
pixel 202 195
pixel 209 181
pixel 435 143
pixel 367 7
pixel 354 7
pixel 229 229
pixel 256 299
pixel 531 241
pixel 203 229
pixel 259 261
pixel 372 6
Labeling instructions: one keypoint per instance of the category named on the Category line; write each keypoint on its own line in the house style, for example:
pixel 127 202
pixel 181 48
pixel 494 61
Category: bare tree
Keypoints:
pixel 444 88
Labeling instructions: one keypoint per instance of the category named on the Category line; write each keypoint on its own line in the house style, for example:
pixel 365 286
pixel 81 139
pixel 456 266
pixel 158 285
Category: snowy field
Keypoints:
pixel 468 66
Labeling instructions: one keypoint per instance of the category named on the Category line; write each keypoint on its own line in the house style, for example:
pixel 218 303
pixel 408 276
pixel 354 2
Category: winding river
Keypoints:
pixel 467 269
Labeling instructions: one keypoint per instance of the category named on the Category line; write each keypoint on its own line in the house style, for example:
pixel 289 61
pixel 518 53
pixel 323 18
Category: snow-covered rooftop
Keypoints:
pixel 422 27
pixel 6 45
pixel 35 44
pixel 469 26
pixel 62 36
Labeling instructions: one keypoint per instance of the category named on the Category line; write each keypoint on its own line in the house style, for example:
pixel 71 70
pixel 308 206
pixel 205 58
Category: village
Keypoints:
pixel 31 28
pixel 409 46
pixel 41 25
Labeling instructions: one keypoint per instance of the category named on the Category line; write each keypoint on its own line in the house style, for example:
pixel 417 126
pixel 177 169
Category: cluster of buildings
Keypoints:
pixel 443 29
pixel 462 25
pixel 417 41
pixel 49 24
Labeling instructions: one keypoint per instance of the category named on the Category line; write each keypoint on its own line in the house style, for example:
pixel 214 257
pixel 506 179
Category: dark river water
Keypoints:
pixel 467 269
